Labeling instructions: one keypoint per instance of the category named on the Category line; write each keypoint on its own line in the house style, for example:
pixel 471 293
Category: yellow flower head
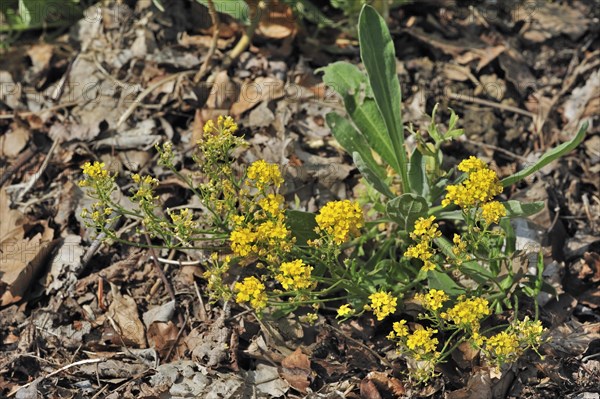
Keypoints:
pixel 481 185
pixel 242 240
pixel 272 204
pixel 251 290
pixel 96 176
pixel 340 220
pixel 345 311
pixel 433 300
pixel 263 174
pixel 383 304
pixel 471 164
pixel 295 275
pixel 504 346
pixel 422 343
pixel 492 211
pixel 425 229
pixel 399 330
pixel 468 312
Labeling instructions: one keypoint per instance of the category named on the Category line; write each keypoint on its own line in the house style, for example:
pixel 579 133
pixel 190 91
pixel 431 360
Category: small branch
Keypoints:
pixel 213 45
pixel 480 101
pixel 37 175
pixel 60 370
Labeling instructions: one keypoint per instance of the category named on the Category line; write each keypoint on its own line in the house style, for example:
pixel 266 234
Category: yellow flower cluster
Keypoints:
pixel 382 304
pixel 216 144
pixel 481 186
pixel 345 311
pixel 96 177
pixel 504 347
pixel 183 224
pixel 467 313
pixel 530 332
pixel 145 192
pixel 252 290
pixel 272 204
pixel 425 231
pixel 433 300
pixel 399 330
pixel 422 343
pixel 295 275
pixel 340 220
pixel 492 211
pixel 262 174
pixel 262 239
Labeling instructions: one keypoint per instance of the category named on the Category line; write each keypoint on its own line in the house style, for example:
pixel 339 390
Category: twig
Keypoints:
pixel 22 160
pixel 37 175
pixel 178 262
pixel 41 111
pixel 162 275
pixel 147 91
pixel 213 45
pixel 60 370
pixel 176 340
pixel 493 104
pixel 498 149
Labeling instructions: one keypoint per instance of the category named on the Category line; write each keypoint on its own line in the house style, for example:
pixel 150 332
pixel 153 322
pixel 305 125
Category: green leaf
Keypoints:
pixel 518 209
pixel 379 57
pixel 370 176
pixel 302 224
pixel 548 157
pixel 441 281
pixel 237 9
pixel 350 83
pixel 352 141
pixel 406 209
pixel 417 174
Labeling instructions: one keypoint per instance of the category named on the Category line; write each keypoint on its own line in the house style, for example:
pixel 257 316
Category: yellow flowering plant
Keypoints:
pixel 422 231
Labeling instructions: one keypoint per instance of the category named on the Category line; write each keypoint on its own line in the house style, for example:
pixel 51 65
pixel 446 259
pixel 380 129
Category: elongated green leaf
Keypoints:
pixel 370 176
pixel 417 174
pixel 302 225
pixel 441 281
pixel 548 157
pixel 518 209
pixel 406 209
pixel 352 84
pixel 378 54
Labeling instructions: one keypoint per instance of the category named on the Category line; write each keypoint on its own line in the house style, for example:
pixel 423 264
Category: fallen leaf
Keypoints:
pixel 123 310
pixel 13 142
pixel 296 370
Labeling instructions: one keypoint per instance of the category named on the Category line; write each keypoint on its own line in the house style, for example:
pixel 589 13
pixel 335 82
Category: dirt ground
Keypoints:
pixel 83 319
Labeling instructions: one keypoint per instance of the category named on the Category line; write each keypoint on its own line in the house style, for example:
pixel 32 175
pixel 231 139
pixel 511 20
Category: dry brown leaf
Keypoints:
pixel 368 390
pixel 255 92
pixel 162 336
pixel 296 370
pixel 13 142
pixel 387 383
pixel 22 256
pixel 123 310
pixel 478 387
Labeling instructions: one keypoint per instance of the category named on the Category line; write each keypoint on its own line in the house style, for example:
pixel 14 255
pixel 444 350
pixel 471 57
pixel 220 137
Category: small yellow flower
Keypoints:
pixel 242 239
pixel 382 304
pixel 263 174
pixel 425 229
pixel 471 164
pixel 422 343
pixel 504 346
pixel 295 275
pixel 492 211
pixel 433 300
pixel 251 290
pixel 272 204
pixel 467 312
pixel 399 330
pixel 345 311
pixel 340 220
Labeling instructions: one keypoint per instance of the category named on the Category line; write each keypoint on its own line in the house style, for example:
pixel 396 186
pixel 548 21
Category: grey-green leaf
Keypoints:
pixel 406 209
pixel 370 176
pixel 548 157
pixel 379 57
